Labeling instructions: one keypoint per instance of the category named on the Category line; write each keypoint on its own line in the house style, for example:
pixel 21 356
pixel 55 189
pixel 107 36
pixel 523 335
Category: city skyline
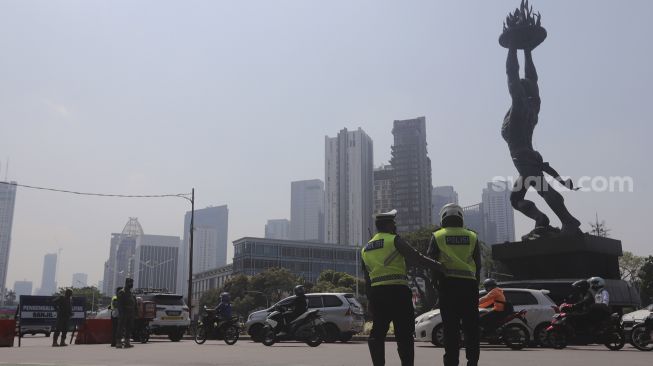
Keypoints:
pixel 71 95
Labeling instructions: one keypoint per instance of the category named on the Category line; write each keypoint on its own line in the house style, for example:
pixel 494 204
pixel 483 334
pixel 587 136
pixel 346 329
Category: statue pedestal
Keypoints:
pixel 561 257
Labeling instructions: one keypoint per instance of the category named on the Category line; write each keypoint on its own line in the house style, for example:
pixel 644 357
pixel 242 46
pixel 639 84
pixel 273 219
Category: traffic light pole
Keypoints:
pixel 190 254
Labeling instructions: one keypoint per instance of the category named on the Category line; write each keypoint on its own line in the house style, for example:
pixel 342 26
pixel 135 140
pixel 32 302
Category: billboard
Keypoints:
pixel 40 310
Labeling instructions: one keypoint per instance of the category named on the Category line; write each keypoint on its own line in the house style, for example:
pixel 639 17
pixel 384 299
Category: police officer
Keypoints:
pixel 114 317
pixel 389 297
pixel 64 307
pixel 127 310
pixel 458 250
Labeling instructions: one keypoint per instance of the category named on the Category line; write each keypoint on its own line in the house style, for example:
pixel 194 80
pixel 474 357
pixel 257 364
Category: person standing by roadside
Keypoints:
pixel 127 310
pixel 389 297
pixel 458 250
pixel 114 318
pixel 64 306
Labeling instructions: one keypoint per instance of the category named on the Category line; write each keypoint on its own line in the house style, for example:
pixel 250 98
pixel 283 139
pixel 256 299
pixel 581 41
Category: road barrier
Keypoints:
pixel 7 332
pixel 94 331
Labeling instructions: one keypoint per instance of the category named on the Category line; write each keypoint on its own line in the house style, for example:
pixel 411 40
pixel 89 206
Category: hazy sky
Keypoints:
pixel 234 98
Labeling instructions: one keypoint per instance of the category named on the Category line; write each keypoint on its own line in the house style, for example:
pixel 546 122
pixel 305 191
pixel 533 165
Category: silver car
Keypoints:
pixel 342 313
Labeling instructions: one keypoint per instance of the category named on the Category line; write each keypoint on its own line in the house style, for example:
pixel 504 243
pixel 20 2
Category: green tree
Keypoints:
pixel 10 297
pixel 629 266
pixel 91 293
pixel 646 277
pixel 275 283
pixel 420 240
pixel 210 298
pixel 599 228
pixel 333 281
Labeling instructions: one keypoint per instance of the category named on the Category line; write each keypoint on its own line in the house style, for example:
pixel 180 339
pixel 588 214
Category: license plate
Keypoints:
pixel 171 318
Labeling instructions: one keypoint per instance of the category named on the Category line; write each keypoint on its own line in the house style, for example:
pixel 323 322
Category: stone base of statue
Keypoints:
pixel 561 256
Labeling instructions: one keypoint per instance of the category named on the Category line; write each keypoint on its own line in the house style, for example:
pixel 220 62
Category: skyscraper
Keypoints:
pixel 210 237
pixel 121 256
pixel 22 288
pixel 156 262
pixel 383 177
pixel 278 229
pixel 7 203
pixel 48 278
pixel 497 208
pixel 412 175
pixel 307 210
pixel 79 280
pixel 476 220
pixel 349 182
pixel 442 195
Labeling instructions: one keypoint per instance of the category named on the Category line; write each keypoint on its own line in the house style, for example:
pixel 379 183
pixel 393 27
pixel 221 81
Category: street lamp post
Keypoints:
pixel 190 253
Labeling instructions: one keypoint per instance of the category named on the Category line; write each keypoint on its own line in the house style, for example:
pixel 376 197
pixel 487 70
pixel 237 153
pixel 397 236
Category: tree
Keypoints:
pixel 91 293
pixel 646 277
pixel 420 240
pixel 599 228
pixel 332 281
pixel 10 297
pixel 629 266
pixel 210 298
pixel 275 283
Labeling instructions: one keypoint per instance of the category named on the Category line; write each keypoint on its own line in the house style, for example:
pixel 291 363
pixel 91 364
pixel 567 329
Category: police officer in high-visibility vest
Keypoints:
pixel 459 252
pixel 114 317
pixel 389 297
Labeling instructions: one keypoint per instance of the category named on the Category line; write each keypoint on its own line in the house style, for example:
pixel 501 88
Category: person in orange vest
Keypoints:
pixel 495 299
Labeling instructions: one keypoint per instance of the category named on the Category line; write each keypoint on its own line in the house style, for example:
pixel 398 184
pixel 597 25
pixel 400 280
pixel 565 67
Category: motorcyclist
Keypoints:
pixel 298 306
pixel 583 301
pixel 494 299
pixel 600 310
pixel 223 309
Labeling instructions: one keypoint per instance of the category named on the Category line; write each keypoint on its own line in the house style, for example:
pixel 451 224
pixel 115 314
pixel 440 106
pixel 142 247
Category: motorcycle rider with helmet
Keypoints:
pixel 583 300
pixel 298 307
pixel 223 309
pixel 600 310
pixel 495 299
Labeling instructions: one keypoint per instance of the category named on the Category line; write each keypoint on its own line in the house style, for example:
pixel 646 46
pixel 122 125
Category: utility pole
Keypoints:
pixel 190 254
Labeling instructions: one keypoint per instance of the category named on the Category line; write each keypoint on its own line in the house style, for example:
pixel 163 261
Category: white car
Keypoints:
pixel 172 316
pixel 539 312
pixel 631 319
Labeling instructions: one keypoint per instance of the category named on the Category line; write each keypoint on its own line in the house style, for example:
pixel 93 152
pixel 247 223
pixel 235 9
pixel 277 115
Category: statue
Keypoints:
pixel 522 30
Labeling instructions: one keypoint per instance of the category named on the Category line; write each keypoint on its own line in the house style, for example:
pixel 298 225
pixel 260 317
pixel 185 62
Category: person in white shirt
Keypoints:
pixel 601 295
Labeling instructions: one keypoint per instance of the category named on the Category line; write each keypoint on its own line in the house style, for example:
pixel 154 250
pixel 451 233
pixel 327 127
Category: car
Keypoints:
pixel 172 315
pixel 631 319
pixel 342 313
pixel 539 312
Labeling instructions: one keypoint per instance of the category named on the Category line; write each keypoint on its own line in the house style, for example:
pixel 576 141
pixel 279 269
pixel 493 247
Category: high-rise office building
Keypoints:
pixel 278 229
pixel 22 288
pixel 442 195
pixel 79 280
pixel 210 237
pixel 121 256
pixel 383 177
pixel 349 182
pixel 411 187
pixel 497 208
pixel 7 203
pixel 476 220
pixel 156 262
pixel 48 278
pixel 307 210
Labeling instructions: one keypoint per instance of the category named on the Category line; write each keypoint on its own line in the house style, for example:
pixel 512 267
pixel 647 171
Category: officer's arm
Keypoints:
pixel 368 281
pixel 433 251
pixel 477 260
pixel 416 258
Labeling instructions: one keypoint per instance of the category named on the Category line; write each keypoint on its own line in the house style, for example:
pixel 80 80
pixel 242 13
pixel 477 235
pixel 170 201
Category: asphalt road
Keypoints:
pixel 37 351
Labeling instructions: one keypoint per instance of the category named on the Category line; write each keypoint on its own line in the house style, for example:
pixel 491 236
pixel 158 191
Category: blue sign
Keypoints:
pixel 41 310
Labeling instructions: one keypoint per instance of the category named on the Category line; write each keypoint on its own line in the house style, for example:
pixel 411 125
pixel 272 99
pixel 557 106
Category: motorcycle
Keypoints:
pixel 210 327
pixel 514 335
pixel 308 328
pixel 642 335
pixel 609 332
pixel 146 313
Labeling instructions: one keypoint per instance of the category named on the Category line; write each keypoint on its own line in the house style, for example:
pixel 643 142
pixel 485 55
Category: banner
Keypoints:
pixel 40 310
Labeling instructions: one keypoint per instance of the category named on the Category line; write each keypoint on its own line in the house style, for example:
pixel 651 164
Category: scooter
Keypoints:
pixel 308 328
pixel 642 335
pixel 609 332
pixel 210 327
pixel 514 335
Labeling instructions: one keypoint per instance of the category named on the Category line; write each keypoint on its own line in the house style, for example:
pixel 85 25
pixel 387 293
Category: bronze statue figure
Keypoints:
pixel 522 30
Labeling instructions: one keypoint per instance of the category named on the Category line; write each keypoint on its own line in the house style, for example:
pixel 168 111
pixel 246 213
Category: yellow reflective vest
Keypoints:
pixel 457 246
pixel 384 263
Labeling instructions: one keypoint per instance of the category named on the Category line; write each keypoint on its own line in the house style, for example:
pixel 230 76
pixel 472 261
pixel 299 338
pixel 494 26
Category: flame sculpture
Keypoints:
pixel 522 28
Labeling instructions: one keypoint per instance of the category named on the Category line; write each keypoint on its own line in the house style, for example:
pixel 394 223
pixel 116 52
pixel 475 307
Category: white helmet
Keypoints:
pixel 597 283
pixel 451 210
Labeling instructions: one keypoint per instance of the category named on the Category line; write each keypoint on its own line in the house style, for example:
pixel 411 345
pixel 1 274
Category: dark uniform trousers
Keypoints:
pixel 459 303
pixel 392 303
pixel 126 322
pixel 115 323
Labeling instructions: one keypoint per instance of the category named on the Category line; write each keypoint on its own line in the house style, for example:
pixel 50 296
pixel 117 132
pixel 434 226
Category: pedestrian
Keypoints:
pixel 458 250
pixel 389 297
pixel 127 310
pixel 114 318
pixel 64 306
